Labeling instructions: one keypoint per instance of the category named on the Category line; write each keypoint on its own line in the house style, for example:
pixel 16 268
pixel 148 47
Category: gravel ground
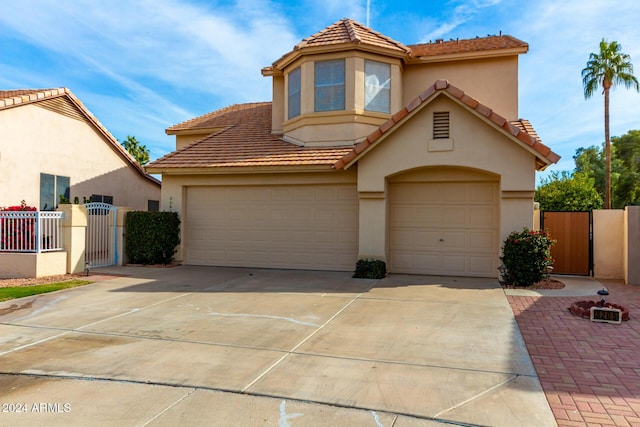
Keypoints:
pixel 5 283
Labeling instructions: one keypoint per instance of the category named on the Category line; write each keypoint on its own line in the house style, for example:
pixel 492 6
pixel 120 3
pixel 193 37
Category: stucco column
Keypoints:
pixel 74 229
pixel 372 225
pixel 121 228
pixel 632 245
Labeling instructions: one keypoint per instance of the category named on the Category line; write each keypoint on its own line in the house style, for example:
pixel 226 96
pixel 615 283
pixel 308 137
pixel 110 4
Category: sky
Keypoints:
pixel 141 66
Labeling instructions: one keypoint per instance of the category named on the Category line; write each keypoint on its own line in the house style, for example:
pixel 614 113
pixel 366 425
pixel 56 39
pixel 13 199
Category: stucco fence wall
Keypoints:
pixel 71 259
pixel 616 243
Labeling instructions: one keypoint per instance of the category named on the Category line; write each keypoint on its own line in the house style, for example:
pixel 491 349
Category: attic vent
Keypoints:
pixel 441 125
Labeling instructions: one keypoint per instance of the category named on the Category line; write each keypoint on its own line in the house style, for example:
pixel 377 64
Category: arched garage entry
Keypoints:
pixel 444 221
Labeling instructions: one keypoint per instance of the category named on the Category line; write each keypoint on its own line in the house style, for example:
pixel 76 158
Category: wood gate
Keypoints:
pixel 573 251
pixel 101 237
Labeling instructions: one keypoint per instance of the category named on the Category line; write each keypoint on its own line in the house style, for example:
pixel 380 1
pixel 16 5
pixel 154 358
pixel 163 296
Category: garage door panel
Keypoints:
pixel 483 193
pixel 448 228
pixel 288 226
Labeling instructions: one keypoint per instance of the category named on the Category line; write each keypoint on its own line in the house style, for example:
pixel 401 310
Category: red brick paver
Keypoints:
pixel 590 372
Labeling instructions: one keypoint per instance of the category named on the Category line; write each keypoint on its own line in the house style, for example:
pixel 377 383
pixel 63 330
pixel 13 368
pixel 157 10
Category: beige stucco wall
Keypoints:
pixel 174 187
pixel 476 146
pixel 35 140
pixel 23 265
pixel 492 81
pixel 608 251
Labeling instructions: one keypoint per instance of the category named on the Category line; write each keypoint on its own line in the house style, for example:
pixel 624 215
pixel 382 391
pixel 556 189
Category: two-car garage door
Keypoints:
pixel 282 226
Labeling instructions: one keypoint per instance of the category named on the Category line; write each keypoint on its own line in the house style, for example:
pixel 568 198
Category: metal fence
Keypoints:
pixel 101 236
pixel 30 231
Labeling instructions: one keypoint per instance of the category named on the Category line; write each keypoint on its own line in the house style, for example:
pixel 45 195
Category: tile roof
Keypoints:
pixel 227 116
pixel 19 97
pixel 245 140
pixel 349 31
pixel 544 155
pixel 479 44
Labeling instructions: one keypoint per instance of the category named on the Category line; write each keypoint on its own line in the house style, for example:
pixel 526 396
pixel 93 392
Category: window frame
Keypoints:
pixel 58 185
pixel 294 92
pixel 329 88
pixel 372 91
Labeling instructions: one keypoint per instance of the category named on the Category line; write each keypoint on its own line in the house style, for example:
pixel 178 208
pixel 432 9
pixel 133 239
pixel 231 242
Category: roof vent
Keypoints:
pixel 441 125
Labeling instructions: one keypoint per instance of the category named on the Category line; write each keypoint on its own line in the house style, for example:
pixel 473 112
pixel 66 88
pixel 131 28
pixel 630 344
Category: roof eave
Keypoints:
pixel 226 170
pixel 441 87
pixel 292 56
pixel 481 54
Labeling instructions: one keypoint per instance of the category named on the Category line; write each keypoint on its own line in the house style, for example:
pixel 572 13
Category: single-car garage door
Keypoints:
pixel 283 226
pixel 444 228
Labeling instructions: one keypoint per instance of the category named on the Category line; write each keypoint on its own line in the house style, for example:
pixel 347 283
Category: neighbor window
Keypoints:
pixel 153 205
pixel 441 125
pixel 377 86
pixel 51 187
pixel 329 85
pixel 294 93
pixel 102 199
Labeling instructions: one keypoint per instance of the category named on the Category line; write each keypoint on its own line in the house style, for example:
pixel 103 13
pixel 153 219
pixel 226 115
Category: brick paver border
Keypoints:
pixel 590 372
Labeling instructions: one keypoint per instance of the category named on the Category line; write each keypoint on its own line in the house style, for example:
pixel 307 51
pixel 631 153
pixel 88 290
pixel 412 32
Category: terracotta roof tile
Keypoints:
pixel 227 116
pixel 521 129
pixel 479 44
pixel 349 31
pixel 245 141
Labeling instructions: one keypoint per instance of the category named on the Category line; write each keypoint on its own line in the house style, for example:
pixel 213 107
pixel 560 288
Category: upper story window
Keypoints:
pixel 294 94
pixel 329 85
pixel 377 86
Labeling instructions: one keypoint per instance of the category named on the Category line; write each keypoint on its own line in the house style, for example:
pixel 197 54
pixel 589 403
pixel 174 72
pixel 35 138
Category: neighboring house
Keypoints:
pixel 414 155
pixel 50 144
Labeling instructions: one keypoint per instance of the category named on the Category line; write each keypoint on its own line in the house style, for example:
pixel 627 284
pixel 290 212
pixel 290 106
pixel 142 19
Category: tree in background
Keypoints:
pixel 625 168
pixel 626 157
pixel 563 191
pixel 606 69
pixel 137 150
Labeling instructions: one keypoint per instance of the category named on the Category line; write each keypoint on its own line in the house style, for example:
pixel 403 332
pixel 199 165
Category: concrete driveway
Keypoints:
pixel 225 346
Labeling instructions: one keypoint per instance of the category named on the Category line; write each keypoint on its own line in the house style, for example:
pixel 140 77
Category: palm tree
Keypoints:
pixel 606 69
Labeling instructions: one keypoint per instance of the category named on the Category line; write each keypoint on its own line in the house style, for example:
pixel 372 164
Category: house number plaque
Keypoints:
pixel 606 315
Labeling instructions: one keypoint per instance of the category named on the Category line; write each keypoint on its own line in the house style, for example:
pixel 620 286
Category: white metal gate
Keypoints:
pixel 101 238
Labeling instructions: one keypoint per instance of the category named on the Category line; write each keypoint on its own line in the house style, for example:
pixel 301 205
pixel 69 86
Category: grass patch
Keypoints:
pixel 25 291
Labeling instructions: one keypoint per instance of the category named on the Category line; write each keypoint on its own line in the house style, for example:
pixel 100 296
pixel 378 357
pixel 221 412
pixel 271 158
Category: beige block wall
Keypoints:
pixel 608 251
pixel 35 140
pixel 632 245
pixel 25 265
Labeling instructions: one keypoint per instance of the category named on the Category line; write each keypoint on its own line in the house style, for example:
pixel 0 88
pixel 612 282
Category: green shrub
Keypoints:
pixel 526 256
pixel 152 237
pixel 370 269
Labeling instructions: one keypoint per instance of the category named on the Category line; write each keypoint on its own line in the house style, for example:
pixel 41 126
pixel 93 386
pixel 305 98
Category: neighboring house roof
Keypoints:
pixel 51 100
pixel 444 49
pixel 544 155
pixel 244 140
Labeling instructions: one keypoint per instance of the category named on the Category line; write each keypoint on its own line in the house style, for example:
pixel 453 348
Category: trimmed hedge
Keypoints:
pixel 370 269
pixel 151 237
